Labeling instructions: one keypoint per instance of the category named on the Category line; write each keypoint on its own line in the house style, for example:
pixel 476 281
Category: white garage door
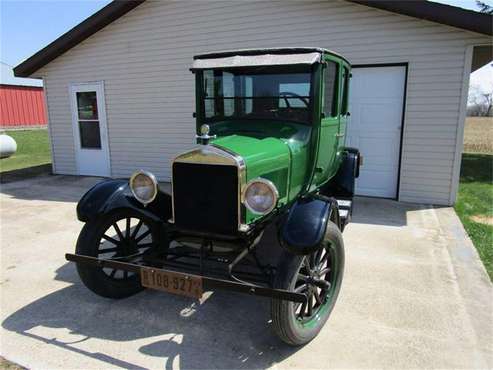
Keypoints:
pixel 376 99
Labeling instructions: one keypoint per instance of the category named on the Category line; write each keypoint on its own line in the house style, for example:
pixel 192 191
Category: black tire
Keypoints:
pixel 115 284
pixel 288 322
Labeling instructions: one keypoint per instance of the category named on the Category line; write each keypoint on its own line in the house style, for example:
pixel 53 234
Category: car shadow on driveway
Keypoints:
pixel 225 330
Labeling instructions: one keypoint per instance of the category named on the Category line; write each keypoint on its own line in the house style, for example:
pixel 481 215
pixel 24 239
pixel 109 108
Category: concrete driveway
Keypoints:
pixel 414 295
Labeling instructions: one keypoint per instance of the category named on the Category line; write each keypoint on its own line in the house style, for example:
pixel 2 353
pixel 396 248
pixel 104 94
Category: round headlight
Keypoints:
pixel 144 186
pixel 260 196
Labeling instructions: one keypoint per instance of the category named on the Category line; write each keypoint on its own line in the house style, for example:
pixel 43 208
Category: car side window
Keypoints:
pixel 330 89
pixel 345 91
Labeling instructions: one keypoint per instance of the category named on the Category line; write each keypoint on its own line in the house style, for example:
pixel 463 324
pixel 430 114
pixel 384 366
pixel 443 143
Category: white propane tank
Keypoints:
pixel 8 146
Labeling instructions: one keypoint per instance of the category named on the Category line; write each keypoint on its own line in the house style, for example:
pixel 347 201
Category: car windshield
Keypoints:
pixel 256 94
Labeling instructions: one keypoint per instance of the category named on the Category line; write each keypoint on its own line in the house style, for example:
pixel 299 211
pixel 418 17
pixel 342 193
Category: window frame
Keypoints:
pixel 88 120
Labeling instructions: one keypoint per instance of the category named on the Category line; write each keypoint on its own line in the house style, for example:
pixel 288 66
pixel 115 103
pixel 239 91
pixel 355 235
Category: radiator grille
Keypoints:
pixel 205 197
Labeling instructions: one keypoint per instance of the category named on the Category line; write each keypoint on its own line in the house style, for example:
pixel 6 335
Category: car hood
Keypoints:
pixel 268 158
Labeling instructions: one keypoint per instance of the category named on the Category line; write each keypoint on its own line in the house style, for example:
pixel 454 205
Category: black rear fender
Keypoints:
pixel 302 230
pixel 354 160
pixel 110 195
pixel 342 185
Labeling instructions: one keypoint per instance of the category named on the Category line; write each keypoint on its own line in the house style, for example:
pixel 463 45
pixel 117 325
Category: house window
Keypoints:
pixel 88 120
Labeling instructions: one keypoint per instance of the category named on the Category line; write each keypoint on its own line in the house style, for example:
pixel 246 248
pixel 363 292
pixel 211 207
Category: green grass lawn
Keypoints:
pixel 475 201
pixel 33 149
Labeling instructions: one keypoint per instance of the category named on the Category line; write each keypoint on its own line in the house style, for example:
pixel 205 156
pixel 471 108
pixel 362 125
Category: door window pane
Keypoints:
pixel 87 105
pixel 345 94
pixel 89 134
pixel 330 87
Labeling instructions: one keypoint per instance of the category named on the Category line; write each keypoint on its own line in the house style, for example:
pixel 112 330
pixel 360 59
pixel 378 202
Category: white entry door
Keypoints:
pixel 375 124
pixel 90 132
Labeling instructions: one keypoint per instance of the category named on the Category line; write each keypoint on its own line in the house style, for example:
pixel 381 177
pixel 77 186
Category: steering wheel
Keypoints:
pixel 286 94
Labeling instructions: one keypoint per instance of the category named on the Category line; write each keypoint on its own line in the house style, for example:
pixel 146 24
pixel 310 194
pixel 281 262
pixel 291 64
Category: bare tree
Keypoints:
pixel 484 8
pixel 480 102
pixel 487 103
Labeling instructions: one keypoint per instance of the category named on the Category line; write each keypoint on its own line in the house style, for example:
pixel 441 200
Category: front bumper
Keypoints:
pixel 208 283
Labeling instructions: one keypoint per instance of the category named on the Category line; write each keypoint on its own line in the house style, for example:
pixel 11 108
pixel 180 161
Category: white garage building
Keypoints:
pixel 412 61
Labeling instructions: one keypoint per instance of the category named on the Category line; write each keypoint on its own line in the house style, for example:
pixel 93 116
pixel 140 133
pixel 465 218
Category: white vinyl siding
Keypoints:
pixel 144 59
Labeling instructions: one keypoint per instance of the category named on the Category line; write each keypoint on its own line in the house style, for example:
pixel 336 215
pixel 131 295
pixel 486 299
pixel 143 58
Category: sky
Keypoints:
pixel 28 26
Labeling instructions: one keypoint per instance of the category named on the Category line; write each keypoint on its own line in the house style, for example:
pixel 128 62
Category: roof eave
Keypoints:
pixel 422 9
pixel 20 85
pixel 435 12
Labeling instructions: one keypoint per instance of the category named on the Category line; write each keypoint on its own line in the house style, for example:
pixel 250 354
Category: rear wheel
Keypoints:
pixel 319 277
pixel 122 235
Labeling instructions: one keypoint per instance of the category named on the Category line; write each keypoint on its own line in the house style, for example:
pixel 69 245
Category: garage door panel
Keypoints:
pixel 379 150
pixel 373 114
pixel 375 183
pixel 381 83
pixel 379 164
pixel 374 127
pixel 377 115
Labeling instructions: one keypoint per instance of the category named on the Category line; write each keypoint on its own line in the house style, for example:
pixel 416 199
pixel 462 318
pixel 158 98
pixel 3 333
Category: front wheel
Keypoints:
pixel 121 235
pixel 319 277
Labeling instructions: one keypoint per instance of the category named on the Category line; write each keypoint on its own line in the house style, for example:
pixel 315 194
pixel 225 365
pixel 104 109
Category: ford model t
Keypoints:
pixel 270 156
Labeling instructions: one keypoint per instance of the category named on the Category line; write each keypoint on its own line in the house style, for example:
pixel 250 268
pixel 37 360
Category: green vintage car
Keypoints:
pixel 257 207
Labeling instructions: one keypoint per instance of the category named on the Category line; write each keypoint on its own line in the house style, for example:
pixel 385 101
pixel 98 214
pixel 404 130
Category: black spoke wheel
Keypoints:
pixel 319 277
pixel 122 236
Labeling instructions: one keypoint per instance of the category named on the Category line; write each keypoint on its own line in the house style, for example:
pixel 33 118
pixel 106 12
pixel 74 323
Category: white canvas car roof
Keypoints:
pixel 260 57
pixel 257 60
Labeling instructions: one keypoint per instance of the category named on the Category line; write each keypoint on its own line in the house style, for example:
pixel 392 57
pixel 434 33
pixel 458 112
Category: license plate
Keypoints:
pixel 172 282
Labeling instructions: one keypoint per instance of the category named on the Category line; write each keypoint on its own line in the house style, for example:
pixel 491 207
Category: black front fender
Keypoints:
pixel 304 227
pixel 110 195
